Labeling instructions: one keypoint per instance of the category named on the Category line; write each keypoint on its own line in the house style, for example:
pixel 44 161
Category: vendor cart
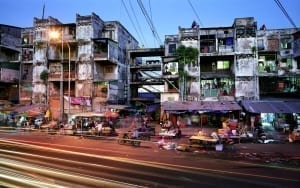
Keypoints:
pixel 205 141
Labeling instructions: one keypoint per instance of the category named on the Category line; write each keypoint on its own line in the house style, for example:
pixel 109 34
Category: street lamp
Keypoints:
pixel 56 35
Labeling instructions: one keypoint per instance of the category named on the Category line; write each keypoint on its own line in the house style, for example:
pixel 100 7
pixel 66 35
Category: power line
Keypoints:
pixel 150 10
pixel 139 26
pixel 285 12
pixel 131 20
pixel 150 23
pixel 195 12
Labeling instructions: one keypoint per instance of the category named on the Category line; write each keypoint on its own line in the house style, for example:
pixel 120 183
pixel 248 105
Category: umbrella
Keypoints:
pixel 110 114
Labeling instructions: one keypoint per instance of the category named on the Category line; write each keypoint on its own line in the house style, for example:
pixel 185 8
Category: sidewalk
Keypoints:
pixel 283 148
pixel 283 154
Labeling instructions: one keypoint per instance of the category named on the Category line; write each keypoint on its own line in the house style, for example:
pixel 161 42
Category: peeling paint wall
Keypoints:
pixel 39 93
pixel 55 70
pixel 245 45
pixel 245 66
pixel 40 54
pixel 84 52
pixel 84 71
pixel 88 27
pixel 84 32
pixel 9 74
pixel 37 69
pixel 244 87
pixel 10 37
pixel 191 43
pixel 84 88
pixel 53 89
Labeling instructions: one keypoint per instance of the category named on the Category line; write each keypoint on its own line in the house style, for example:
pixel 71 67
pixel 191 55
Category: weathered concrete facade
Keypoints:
pixel 10 40
pixel 84 67
pixel 278 69
pixel 246 86
pixel 87 65
pixel 238 61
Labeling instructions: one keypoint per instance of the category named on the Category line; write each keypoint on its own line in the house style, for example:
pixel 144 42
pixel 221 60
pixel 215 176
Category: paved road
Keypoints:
pixel 147 163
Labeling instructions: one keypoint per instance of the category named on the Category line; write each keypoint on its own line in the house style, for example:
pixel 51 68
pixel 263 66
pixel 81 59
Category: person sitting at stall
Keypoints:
pixel 143 127
pixel 168 125
pixel 178 132
pixel 135 134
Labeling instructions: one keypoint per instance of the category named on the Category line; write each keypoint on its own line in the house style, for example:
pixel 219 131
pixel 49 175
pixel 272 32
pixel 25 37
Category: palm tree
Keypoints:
pixel 186 56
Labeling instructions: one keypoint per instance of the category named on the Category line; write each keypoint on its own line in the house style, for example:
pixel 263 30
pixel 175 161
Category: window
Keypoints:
pixel 27 55
pixel 25 40
pixel 108 69
pixel 260 44
pixel 285 43
pixel 273 44
pixel 172 48
pixel 223 65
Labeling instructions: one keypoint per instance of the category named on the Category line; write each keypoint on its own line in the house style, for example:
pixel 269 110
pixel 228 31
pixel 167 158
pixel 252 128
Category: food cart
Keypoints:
pixel 203 140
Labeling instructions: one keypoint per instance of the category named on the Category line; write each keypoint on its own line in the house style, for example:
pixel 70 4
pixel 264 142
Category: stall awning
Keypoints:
pixel 209 106
pixel 272 106
pixel 30 110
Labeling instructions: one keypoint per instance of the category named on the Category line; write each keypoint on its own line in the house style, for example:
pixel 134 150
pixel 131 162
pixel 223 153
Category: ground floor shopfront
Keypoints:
pixel 200 113
pixel 280 114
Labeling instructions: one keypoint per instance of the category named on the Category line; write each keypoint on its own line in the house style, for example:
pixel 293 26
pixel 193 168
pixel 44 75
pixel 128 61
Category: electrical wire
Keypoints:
pixel 150 10
pixel 149 21
pixel 285 12
pixel 131 20
pixel 195 12
pixel 137 22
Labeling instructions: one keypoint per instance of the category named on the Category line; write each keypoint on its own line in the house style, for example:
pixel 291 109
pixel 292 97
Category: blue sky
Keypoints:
pixel 166 15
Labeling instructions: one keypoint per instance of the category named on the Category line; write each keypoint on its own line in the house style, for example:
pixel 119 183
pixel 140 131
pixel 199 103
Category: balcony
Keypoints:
pixel 105 50
pixel 188 33
pixel 56 76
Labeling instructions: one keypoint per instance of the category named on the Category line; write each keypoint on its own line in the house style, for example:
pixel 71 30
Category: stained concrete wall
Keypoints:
pixel 245 66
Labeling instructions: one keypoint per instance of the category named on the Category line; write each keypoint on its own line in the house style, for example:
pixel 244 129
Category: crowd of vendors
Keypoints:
pixel 228 127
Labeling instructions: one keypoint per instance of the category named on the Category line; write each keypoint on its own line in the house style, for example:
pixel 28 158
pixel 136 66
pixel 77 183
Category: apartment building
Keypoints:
pixel 75 67
pixel 236 61
pixel 91 62
pixel 10 42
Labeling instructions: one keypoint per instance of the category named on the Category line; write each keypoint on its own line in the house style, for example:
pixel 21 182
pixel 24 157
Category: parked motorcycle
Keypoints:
pixel 126 138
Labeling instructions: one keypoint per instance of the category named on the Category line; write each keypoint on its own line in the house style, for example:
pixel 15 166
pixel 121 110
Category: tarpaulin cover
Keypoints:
pixel 209 106
pixel 272 106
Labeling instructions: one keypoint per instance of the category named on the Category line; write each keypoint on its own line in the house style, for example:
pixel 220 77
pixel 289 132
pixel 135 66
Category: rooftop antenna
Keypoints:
pixel 43 11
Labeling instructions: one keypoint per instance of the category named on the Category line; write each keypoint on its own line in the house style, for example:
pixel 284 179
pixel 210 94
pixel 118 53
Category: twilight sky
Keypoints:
pixel 166 15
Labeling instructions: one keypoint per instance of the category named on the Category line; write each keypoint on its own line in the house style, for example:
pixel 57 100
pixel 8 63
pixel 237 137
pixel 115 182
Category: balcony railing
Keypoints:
pixel 105 50
pixel 54 76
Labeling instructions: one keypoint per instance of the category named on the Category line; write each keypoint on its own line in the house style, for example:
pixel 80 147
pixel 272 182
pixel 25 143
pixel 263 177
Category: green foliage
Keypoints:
pixel 253 49
pixel 44 75
pixel 187 55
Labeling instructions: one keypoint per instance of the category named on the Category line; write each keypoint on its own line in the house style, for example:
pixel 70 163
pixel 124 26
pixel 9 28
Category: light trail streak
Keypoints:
pixel 56 174
pixel 9 179
pixel 173 167
pixel 12 154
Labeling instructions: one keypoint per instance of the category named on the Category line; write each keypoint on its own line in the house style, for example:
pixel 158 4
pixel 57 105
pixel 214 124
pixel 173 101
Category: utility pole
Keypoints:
pixel 62 77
